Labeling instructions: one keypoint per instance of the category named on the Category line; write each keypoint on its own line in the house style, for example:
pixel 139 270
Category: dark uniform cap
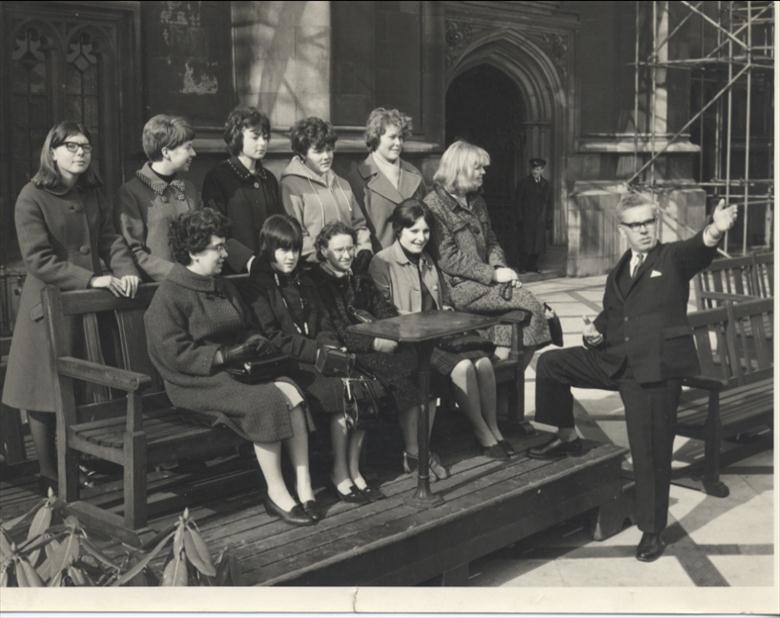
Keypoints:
pixel 537 162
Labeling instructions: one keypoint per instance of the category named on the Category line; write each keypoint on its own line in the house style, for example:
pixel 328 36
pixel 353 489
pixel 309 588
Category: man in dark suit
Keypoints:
pixel 640 345
pixel 534 212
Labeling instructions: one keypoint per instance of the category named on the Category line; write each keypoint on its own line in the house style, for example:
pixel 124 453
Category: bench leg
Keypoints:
pixel 135 480
pixel 713 486
pixel 67 467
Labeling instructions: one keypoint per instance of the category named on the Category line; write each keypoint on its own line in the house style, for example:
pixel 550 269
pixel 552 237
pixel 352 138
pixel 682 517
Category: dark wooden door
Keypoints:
pixel 65 61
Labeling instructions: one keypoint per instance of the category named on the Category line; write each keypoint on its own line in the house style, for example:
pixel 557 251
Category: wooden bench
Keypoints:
pixel 130 421
pixel 133 424
pixel 735 279
pixel 735 392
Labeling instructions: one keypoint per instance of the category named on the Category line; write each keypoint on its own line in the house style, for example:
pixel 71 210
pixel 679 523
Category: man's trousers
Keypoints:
pixel 651 413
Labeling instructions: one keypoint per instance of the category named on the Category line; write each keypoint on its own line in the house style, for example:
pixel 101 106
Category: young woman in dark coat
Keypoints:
pixel 67 238
pixel 342 292
pixel 293 317
pixel 196 325
pixel 240 187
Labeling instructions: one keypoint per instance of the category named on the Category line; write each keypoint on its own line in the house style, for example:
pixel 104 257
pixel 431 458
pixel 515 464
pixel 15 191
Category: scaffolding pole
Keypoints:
pixel 738 27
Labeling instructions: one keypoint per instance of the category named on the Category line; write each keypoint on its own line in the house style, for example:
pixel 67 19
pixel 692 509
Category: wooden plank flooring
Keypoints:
pixel 487 505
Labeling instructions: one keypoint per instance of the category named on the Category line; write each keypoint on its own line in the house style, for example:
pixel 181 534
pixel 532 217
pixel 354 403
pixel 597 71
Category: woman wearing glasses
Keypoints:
pixel 66 236
pixel 197 326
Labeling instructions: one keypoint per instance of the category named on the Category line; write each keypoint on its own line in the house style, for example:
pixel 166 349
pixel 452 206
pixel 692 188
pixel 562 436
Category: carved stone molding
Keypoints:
pixel 556 46
pixel 458 35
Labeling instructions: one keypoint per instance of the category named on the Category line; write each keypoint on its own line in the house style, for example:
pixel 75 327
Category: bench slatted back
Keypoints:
pixel 764 274
pixel 725 276
pixel 133 341
pixel 753 330
pixel 710 328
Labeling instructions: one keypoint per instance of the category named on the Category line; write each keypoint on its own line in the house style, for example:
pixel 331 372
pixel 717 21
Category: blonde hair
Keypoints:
pixel 633 200
pixel 456 161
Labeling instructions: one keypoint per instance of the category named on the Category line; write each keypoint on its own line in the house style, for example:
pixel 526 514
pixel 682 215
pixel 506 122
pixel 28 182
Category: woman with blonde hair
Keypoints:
pixel 475 274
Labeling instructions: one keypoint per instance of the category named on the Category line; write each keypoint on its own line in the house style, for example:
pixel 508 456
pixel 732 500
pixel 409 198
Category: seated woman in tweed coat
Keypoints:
pixel 464 244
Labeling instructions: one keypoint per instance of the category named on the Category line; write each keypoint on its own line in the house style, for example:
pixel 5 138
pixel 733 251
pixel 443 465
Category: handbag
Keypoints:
pixel 466 342
pixel 334 362
pixel 361 407
pixel 554 324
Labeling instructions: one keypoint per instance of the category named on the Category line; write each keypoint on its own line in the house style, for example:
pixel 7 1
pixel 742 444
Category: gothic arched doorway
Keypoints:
pixel 484 107
pixel 526 76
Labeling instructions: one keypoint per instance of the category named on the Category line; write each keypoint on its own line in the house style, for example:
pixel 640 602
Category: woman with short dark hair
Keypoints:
pixel 293 317
pixel 408 277
pixel 383 180
pixel 313 193
pixel 197 325
pixel 240 187
pixel 64 225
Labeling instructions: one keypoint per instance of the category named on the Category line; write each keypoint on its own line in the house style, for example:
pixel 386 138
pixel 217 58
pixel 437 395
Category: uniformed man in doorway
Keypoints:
pixel 534 211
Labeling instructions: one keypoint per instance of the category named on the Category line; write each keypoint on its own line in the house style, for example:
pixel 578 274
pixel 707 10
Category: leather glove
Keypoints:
pixel 243 351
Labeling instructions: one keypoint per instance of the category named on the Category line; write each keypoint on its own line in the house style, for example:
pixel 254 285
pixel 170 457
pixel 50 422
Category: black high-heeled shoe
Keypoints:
pixel 373 493
pixel 355 496
pixel 295 516
pixel 313 509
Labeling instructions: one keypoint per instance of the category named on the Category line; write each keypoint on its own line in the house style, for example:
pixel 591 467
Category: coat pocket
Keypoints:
pixel 36 313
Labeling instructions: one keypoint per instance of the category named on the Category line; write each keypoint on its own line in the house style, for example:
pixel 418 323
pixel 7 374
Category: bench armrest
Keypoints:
pixel 705 382
pixel 105 375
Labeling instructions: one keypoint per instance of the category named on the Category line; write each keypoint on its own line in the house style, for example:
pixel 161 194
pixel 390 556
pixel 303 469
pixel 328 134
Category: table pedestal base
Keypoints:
pixel 422 500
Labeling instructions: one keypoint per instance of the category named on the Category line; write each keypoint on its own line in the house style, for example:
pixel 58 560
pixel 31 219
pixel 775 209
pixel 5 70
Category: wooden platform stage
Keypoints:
pixel 487 505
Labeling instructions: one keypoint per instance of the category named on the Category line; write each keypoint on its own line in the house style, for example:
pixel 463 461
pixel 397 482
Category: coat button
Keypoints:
pixel 84 249
pixel 625 319
pixel 256 185
pixel 628 338
pixel 164 199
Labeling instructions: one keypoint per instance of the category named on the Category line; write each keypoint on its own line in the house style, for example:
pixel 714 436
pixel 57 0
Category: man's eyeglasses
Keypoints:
pixel 218 248
pixel 637 225
pixel 74 147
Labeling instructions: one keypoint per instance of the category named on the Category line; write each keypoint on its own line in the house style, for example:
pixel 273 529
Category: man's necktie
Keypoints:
pixel 638 259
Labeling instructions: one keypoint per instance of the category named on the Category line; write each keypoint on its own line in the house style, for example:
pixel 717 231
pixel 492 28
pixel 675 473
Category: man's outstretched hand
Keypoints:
pixel 724 217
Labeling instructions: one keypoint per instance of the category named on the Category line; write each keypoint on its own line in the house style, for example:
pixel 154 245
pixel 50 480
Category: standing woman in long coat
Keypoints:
pixel 66 236
pixel 384 180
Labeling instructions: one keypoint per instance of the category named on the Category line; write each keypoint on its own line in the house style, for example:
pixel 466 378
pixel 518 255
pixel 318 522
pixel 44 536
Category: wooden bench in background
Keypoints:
pixel 735 393
pixel 735 279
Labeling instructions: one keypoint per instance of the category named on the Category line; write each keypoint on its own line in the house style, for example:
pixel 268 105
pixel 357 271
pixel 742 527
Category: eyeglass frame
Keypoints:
pixel 220 247
pixel 637 225
pixel 73 147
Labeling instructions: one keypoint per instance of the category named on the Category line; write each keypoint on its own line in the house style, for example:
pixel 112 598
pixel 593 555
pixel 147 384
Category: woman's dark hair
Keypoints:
pixel 406 214
pixel 280 232
pixel 48 175
pixel 311 132
pixel 244 118
pixel 334 228
pixel 191 232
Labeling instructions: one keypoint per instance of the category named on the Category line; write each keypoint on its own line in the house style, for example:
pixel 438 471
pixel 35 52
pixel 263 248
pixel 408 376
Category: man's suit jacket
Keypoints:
pixel 644 321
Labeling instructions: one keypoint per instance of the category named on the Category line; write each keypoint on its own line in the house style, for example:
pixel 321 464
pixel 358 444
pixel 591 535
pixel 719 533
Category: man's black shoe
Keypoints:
pixel 650 547
pixel 556 449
